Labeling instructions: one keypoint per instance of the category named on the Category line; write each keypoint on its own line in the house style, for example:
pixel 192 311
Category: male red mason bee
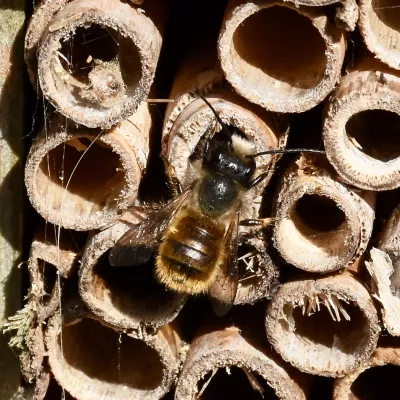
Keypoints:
pixel 195 236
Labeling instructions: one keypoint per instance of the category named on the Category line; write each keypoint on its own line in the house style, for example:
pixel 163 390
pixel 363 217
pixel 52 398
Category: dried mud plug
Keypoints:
pixel 136 368
pixel 83 179
pixel 325 327
pixel 282 57
pixel 380 28
pixel 361 128
pixel 228 360
pixel 125 297
pixel 376 378
pixel 321 225
pixel 96 58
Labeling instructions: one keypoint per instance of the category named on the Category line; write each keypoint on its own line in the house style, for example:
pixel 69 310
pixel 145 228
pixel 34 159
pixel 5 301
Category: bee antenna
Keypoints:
pixel 222 123
pixel 284 151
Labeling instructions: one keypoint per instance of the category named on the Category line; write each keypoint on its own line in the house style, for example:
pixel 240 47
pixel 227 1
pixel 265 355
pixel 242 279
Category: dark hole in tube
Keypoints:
pixel 376 383
pixel 97 43
pixel 376 133
pixel 319 213
pixel 348 336
pixel 234 385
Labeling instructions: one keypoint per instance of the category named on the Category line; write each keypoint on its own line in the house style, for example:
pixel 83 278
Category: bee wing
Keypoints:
pixel 137 246
pixel 222 292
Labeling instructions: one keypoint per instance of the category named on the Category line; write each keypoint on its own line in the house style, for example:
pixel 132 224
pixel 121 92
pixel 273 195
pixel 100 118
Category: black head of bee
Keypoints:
pixel 221 157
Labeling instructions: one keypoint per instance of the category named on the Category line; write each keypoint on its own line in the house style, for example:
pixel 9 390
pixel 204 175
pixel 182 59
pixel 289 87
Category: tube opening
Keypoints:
pixel 376 133
pixel 133 291
pixel 95 181
pixel 48 272
pixel 380 382
pixel 233 382
pixel 279 53
pixel 249 266
pixel 97 65
pixel 326 324
pixel 319 213
pixel 388 13
pixel 98 353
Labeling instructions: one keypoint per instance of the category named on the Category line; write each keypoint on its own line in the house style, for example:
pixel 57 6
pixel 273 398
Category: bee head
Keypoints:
pixel 225 155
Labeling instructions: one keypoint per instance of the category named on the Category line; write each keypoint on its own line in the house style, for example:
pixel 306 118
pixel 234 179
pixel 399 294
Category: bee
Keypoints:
pixel 195 235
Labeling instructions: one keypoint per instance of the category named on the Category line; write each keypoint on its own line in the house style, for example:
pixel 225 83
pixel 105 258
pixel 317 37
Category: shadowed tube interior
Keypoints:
pixel 279 53
pixel 102 354
pixel 134 291
pixel 319 329
pixel 388 13
pixel 376 133
pixel 380 382
pixel 320 223
pixel 235 385
pixel 95 185
pixel 91 46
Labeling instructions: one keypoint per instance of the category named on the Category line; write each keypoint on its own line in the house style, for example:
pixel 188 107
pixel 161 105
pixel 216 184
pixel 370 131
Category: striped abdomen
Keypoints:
pixel 190 252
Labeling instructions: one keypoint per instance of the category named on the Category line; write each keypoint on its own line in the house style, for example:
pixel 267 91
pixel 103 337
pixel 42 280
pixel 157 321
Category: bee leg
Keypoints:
pixel 263 222
pixel 174 183
pixel 258 179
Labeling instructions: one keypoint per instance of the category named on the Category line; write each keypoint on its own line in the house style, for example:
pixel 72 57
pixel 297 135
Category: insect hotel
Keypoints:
pixel 200 199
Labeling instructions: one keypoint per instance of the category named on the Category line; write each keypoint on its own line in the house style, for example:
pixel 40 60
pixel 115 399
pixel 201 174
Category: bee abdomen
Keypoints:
pixel 189 254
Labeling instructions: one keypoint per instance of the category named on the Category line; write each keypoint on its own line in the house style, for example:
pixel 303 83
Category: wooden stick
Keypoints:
pixel 234 361
pixel 12 125
pixel 85 179
pixel 385 284
pixel 321 224
pixel 280 56
pixel 128 298
pixel 375 378
pixel 327 326
pixel 360 127
pixel 380 28
pixel 188 119
pixel 135 368
pixel 48 257
pixel 96 59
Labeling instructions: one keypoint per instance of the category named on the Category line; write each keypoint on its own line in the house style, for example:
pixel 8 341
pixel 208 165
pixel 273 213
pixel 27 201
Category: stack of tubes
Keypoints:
pixel 319 285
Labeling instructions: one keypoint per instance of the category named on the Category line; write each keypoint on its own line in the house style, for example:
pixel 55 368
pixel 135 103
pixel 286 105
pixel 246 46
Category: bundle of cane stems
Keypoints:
pixel 317 284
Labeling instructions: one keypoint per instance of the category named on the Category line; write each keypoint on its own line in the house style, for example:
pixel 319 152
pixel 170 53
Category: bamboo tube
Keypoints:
pixel 85 179
pixel 237 362
pixel 94 361
pixel 326 327
pixel 376 378
pixel 385 287
pixel 12 95
pixel 48 258
pixel 189 118
pixel 282 57
pixel 360 128
pixel 258 275
pixel 321 224
pixel 347 12
pixel 41 386
pixel 128 298
pixel 380 28
pixel 96 58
